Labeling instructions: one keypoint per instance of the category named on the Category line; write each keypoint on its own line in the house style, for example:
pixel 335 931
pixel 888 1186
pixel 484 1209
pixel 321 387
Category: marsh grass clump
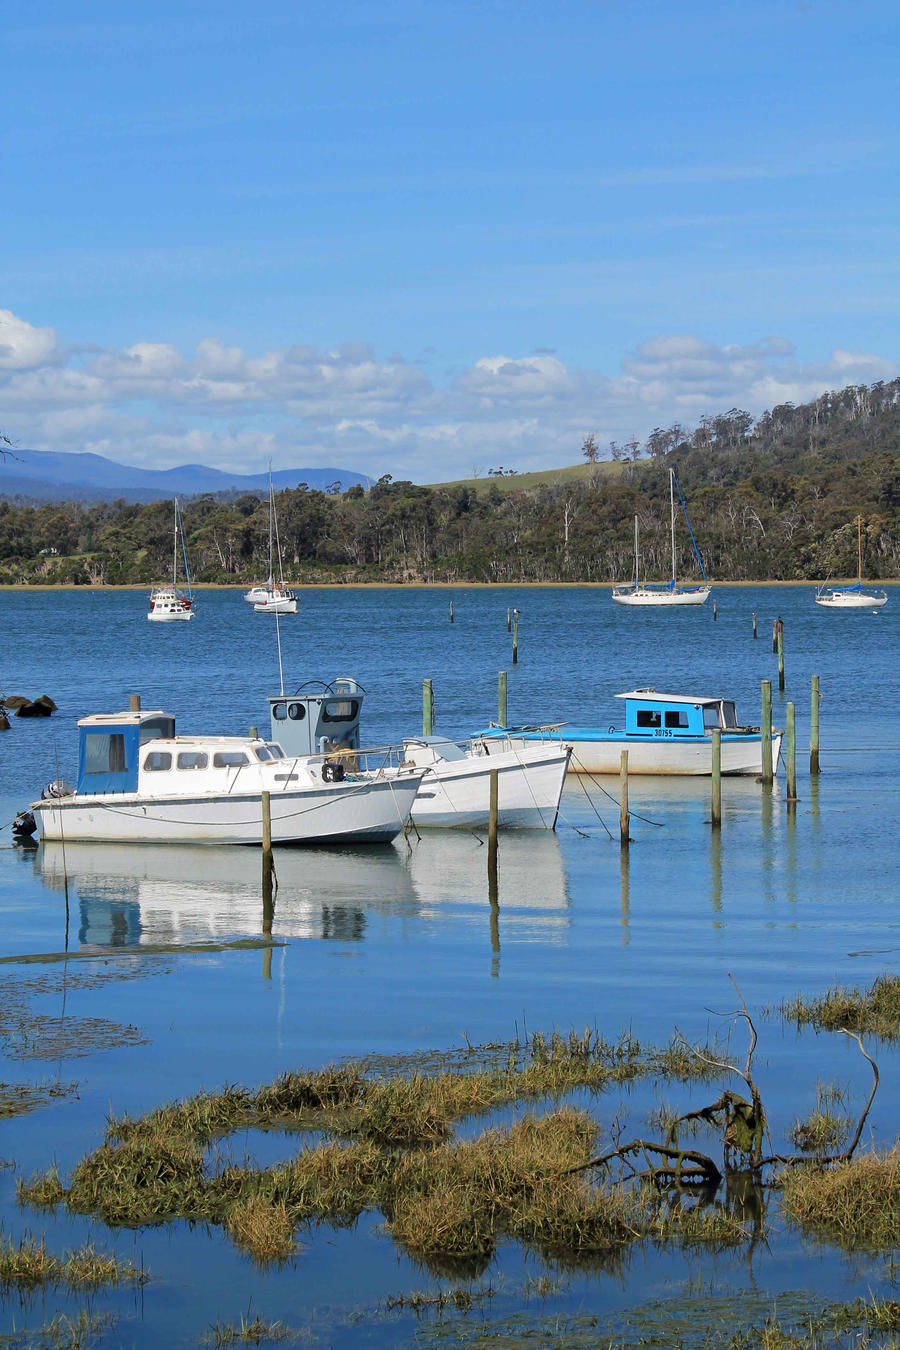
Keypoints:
pixel 263 1227
pixel 856 1204
pixel 247 1332
pixel 826 1127
pixel 44 1191
pixel 875 1010
pixel 28 1264
pixel 155 1175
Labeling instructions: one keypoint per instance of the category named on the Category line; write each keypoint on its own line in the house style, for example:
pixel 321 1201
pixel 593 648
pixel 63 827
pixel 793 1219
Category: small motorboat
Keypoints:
pixel 663 734
pixel 140 783
pixel 455 789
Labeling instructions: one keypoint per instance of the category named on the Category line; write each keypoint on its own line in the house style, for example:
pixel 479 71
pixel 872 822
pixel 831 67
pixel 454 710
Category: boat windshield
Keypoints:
pixel 729 716
pixel 711 716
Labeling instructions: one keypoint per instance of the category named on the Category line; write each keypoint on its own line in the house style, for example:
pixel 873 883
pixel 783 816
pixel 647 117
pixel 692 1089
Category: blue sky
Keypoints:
pixel 421 238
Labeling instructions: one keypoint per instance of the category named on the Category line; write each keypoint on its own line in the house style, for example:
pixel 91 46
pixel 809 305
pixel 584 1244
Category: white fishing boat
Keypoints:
pixel 664 734
pixel 140 783
pixel 455 790
pixel 170 603
pixel 274 597
pixel 639 592
pixel 852 597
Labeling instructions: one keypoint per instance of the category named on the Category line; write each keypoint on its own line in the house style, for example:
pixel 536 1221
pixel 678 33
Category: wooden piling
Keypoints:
pixel 451 611
pixel 814 728
pixel 765 731
pixel 501 698
pixel 790 754
pixel 493 816
pixel 515 637
pixel 755 635
pixel 267 864
pixel 780 644
pixel 624 818
pixel 134 703
pixel 509 621
pixel 427 708
pixel 716 811
pixel 774 635
pixel 715 609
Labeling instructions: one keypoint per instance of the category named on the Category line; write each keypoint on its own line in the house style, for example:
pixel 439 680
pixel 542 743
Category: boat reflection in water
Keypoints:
pixel 131 896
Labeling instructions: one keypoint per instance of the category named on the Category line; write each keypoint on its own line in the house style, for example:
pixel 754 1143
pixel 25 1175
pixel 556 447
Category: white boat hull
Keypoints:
pixel 850 600
pixel 697 596
pixel 347 812
pixel 456 793
pixel 276 607
pixel 740 755
pixel 170 616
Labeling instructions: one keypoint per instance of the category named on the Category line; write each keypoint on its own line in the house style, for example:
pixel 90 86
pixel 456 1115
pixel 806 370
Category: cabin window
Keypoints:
pixel 263 754
pixel 275 751
pixel 279 711
pixel 296 712
pixel 711 716
pixel 157 726
pixel 104 752
pixel 229 759
pixel 192 759
pixel 677 718
pixel 342 711
pixel 158 761
pixel 646 717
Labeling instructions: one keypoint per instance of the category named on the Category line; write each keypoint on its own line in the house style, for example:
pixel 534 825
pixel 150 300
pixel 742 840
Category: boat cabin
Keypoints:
pixel 109 746
pixel 653 715
pixel 319 718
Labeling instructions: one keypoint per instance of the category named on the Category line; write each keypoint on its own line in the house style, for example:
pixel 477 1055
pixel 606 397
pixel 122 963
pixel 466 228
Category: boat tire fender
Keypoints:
pixel 332 773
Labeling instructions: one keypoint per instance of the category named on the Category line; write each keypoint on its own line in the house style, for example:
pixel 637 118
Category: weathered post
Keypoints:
pixel 493 814
pixel 253 733
pixel 427 708
pixel 754 626
pixel 501 698
pixel 716 813
pixel 624 819
pixel 814 728
pixel 781 656
pixel 134 703
pixel 515 637
pixel 451 611
pixel 790 754
pixel 774 635
pixel 509 621
pixel 765 731
pixel 267 867
pixel 715 609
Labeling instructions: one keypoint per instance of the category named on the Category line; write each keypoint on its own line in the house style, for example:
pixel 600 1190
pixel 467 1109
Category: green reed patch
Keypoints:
pixel 247 1332
pixel 28 1264
pixel 827 1127
pixel 875 1010
pixel 856 1204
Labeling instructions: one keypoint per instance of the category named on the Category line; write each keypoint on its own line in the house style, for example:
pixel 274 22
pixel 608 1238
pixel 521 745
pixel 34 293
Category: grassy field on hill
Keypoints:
pixel 604 471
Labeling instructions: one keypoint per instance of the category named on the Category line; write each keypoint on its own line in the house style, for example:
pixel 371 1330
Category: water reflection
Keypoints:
pixel 125 895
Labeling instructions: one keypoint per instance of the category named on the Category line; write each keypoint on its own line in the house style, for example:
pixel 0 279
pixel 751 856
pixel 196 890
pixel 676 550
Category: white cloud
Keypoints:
pixel 151 404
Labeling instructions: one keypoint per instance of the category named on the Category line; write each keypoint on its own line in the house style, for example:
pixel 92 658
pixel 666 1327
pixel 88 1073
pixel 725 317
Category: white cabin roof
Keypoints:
pixel 128 719
pixel 655 696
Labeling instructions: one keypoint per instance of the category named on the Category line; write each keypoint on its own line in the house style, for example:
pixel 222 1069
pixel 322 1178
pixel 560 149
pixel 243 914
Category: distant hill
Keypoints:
pixel 605 470
pixel 48 475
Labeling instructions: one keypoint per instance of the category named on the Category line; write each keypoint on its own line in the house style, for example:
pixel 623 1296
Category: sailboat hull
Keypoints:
pixel 642 596
pixel 835 599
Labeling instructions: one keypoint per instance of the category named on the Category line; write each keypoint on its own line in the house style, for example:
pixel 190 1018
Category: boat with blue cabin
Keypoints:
pixel 663 734
pixel 140 783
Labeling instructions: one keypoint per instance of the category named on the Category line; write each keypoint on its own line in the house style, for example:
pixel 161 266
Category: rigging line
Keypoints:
pixel 515 747
pixel 690 531
pixel 587 774
pixel 593 808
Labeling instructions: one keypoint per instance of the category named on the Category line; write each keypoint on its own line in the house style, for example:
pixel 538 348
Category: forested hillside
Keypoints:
pixel 776 499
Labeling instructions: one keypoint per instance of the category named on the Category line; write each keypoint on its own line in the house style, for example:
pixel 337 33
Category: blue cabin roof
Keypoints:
pixel 109 745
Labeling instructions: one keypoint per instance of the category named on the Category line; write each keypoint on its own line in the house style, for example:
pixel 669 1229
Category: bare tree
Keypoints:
pixel 590 449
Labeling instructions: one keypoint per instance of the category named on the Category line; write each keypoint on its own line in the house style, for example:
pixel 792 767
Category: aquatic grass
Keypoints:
pixel 875 1010
pixel 827 1126
pixel 263 1228
pixel 246 1332
pixel 28 1264
pixel 856 1204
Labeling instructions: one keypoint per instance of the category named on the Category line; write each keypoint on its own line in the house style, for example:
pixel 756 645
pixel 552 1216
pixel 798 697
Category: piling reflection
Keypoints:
pixel 715 848
pixel 625 884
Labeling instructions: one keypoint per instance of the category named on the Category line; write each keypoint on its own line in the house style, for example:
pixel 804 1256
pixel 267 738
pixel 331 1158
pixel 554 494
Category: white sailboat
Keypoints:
pixel 851 597
pixel 639 592
pixel 171 603
pixel 273 597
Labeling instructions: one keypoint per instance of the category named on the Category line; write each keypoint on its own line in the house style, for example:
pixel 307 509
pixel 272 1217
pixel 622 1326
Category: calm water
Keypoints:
pixel 393 949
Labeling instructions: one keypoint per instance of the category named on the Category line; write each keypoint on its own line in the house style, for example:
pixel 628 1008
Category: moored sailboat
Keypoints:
pixel 851 597
pixel 273 597
pixel 168 603
pixel 639 592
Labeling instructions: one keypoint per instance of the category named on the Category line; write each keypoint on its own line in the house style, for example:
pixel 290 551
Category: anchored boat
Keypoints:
pixel 455 789
pixel 272 597
pixel 168 603
pixel 639 592
pixel 851 597
pixel 140 783
pixel 663 734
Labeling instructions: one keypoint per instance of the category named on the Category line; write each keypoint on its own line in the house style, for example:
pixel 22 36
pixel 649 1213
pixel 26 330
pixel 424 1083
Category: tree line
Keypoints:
pixel 770 499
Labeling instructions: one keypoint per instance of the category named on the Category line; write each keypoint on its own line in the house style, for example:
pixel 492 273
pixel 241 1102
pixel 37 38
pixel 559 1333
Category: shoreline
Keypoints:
pixel 430 585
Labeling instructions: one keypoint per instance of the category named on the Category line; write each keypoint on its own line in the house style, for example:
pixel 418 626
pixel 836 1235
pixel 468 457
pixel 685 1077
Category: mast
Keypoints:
pixel 859 550
pixel 672 513
pixel 637 572
pixel 271 515
pixel 175 549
